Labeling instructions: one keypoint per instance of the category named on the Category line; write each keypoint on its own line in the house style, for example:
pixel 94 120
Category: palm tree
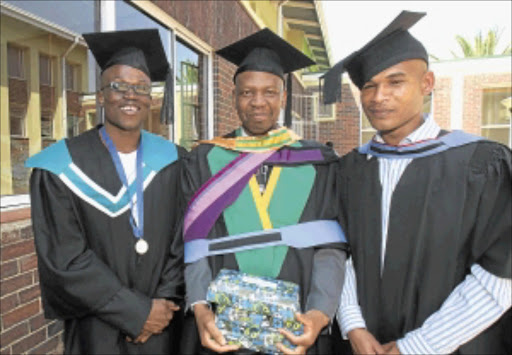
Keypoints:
pixel 482 47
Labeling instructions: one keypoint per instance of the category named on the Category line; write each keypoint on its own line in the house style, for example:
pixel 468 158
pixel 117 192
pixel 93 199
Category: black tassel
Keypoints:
pixel 288 108
pixel 167 110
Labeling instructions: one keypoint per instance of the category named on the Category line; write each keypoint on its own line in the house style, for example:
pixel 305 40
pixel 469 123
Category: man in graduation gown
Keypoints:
pixel 427 214
pixel 263 178
pixel 105 206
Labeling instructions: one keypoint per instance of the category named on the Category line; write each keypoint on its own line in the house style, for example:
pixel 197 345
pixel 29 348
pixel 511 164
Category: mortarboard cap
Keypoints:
pixel 392 45
pixel 265 51
pixel 140 49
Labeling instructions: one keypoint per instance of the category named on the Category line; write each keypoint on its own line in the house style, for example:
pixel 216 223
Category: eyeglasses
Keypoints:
pixel 119 86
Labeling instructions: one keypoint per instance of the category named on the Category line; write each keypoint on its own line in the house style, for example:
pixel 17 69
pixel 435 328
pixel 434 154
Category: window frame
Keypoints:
pixel 75 71
pixel 50 67
pixel 317 104
pixel 50 135
pixel 179 32
pixel 492 126
pixel 23 125
pixel 20 58
pixel 14 203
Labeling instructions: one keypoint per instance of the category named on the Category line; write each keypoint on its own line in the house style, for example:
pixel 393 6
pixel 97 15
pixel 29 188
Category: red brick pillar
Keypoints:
pixel 23 326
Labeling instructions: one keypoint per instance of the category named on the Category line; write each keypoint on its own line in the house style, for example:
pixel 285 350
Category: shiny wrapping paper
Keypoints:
pixel 250 309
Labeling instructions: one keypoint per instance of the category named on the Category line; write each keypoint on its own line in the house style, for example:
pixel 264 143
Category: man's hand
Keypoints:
pixel 142 338
pixel 363 342
pixel 210 335
pixel 160 315
pixel 391 348
pixel 162 312
pixel 314 321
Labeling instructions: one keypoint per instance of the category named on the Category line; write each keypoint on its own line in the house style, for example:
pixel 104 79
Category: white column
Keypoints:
pixel 209 97
pixel 107 15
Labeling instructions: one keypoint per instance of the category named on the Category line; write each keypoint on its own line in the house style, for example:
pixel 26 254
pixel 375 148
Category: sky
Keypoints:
pixel 350 24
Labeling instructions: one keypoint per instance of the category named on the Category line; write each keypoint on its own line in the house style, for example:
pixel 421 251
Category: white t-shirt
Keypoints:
pixel 129 162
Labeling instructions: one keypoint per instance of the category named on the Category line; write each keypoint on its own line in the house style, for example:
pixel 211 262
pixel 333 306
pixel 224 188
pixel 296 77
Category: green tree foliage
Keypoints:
pixel 482 46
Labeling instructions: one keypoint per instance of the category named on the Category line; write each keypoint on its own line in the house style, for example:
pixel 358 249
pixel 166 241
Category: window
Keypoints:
pixel 304 116
pixel 72 77
pixel 324 112
pixel 367 131
pixel 187 95
pixel 303 107
pixel 496 114
pixel 91 118
pixel 46 126
pixel 298 126
pixel 46 94
pixel 17 123
pixel 45 70
pixel 73 126
pixel 18 90
pixel 15 62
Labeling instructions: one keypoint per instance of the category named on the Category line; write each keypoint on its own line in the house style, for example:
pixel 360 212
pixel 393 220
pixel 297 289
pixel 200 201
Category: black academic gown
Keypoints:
pixel 90 274
pixel 298 264
pixel 448 211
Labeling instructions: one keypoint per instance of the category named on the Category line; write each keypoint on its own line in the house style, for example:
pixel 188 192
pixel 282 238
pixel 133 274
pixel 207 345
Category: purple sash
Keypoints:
pixel 222 189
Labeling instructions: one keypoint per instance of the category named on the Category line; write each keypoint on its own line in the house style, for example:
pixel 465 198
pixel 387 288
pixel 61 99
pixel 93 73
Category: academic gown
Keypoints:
pixel 320 287
pixel 448 211
pixel 90 275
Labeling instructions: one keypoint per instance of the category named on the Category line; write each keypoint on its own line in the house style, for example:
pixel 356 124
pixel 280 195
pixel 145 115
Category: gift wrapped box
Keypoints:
pixel 250 309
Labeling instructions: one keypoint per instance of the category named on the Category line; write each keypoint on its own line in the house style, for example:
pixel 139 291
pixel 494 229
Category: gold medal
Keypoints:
pixel 141 247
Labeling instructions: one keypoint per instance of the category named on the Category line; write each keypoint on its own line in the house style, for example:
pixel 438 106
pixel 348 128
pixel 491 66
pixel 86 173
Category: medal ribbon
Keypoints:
pixel 138 228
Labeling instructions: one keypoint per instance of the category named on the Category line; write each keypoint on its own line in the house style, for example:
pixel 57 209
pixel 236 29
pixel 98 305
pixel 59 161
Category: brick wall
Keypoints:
pixel 74 105
pixel 18 95
pixel 48 102
pixel 344 131
pixel 20 174
pixel 226 118
pixel 474 86
pixel 218 23
pixel 23 326
pixel 48 142
pixel 442 102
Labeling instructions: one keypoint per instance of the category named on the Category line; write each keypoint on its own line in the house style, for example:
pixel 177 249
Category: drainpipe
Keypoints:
pixel 64 94
pixel 280 17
